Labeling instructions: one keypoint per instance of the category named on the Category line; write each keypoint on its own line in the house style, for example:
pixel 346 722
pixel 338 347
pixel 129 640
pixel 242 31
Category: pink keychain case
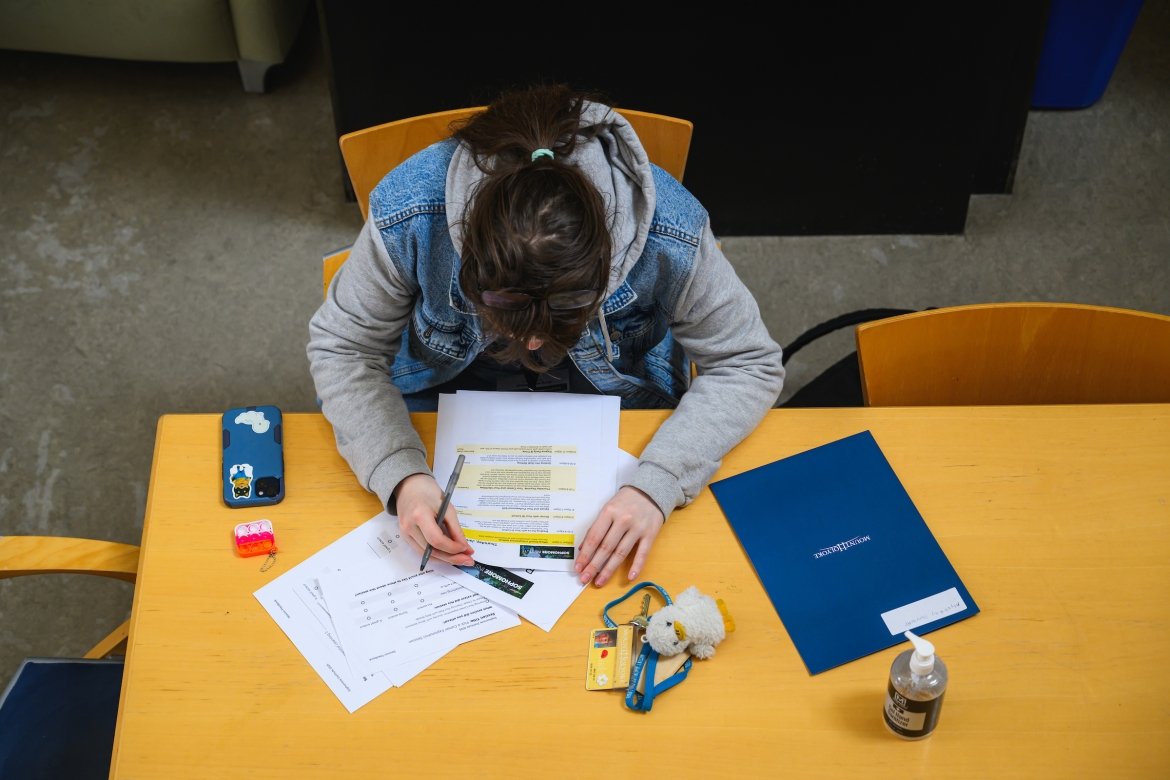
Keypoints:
pixel 255 538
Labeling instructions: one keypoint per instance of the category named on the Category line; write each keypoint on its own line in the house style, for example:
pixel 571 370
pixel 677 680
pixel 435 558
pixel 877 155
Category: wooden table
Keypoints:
pixel 1056 518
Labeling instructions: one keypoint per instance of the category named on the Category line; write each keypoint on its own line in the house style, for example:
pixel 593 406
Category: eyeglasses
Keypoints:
pixel 510 300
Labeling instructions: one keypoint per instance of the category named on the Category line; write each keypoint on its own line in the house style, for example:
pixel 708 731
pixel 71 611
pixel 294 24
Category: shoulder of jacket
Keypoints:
pixel 677 212
pixel 417 185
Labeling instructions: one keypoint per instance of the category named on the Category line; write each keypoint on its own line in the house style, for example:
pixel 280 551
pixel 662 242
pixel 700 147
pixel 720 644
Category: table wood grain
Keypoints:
pixel 1056 518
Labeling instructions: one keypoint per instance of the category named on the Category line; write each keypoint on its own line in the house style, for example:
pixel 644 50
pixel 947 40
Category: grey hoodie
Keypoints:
pixel 356 331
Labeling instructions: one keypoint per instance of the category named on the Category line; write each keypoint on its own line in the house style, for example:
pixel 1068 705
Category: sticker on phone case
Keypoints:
pixel 240 475
pixel 255 419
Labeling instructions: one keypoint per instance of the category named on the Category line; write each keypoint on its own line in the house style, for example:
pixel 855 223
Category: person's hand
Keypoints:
pixel 629 519
pixel 419 497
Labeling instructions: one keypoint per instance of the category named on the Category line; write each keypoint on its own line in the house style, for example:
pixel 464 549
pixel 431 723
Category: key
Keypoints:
pixel 642 619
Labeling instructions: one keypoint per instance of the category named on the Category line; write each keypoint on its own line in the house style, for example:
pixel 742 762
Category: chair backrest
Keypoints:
pixel 1015 353
pixel 371 153
pixel 22 556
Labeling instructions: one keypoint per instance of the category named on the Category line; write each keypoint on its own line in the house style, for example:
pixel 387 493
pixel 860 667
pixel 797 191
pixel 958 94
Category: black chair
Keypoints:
pixel 840 383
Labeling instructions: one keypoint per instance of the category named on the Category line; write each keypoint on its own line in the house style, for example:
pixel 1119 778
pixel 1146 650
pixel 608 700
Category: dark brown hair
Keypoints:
pixel 533 226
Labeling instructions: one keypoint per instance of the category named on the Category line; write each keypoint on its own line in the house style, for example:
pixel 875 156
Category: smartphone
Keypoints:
pixel 253 456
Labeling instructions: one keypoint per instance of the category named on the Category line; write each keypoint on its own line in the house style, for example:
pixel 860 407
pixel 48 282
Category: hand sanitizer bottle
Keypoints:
pixel 918 680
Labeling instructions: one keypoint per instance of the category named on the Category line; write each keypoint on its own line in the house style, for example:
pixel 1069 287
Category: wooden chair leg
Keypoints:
pixel 113 644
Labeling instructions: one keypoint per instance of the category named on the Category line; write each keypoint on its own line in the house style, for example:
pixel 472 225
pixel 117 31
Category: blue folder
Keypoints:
pixel 837 542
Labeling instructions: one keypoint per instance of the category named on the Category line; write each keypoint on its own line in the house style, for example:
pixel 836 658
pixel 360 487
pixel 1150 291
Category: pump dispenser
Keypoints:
pixel 922 660
pixel 918 680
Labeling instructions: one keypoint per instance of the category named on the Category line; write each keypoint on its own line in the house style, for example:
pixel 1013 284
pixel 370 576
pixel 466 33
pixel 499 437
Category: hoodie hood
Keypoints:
pixel 614 161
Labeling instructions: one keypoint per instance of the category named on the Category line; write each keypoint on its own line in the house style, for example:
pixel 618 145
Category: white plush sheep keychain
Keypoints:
pixel 694 622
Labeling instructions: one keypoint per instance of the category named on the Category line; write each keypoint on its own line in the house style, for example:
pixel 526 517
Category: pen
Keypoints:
pixel 443 507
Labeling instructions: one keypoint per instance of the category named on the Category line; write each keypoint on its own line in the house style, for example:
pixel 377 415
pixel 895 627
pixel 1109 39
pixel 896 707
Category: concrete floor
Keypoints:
pixel 162 233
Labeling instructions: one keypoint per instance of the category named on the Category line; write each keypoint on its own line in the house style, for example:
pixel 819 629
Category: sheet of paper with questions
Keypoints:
pixel 387 612
pixel 297 603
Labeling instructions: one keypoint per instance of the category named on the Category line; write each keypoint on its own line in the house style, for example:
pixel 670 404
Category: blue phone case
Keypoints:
pixel 253 456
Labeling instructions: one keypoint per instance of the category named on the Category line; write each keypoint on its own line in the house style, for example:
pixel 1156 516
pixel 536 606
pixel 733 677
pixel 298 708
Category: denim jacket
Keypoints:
pixel 395 307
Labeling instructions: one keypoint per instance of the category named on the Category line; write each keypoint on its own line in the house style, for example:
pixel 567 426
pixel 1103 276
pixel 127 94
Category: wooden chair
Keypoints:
pixel 57 716
pixel 371 153
pixel 27 555
pixel 1015 353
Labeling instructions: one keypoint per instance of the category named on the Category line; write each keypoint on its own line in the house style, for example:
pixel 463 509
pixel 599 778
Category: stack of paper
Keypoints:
pixel 538 468
pixel 367 619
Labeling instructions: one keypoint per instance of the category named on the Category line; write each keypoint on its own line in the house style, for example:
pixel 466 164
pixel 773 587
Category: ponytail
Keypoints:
pixel 535 224
pixel 519 122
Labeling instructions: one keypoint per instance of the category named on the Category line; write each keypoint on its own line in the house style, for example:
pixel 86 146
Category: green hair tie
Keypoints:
pixel 542 153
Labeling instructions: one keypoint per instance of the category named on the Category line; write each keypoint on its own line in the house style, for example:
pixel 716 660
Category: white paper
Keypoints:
pixel 295 602
pixel 924 611
pixel 538 596
pixel 538 468
pixel 388 612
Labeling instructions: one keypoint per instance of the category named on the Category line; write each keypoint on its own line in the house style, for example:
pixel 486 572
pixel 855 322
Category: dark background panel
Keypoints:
pixel 839 120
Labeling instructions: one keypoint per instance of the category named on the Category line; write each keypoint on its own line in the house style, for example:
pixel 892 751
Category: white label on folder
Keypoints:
pixel 924 611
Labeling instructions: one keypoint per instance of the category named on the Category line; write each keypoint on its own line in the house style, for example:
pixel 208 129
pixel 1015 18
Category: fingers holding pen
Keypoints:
pixel 448 543
pixel 419 499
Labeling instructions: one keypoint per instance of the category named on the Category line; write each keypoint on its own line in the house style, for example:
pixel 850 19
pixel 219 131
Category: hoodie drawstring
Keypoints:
pixel 605 334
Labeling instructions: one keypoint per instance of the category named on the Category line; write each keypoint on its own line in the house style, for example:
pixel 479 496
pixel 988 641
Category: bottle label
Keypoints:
pixel 911 718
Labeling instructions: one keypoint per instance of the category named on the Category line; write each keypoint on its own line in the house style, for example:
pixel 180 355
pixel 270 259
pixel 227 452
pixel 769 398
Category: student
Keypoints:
pixel 539 247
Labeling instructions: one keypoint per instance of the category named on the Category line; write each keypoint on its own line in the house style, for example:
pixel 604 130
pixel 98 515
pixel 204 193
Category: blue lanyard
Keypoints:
pixel 647 661
pixel 609 622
